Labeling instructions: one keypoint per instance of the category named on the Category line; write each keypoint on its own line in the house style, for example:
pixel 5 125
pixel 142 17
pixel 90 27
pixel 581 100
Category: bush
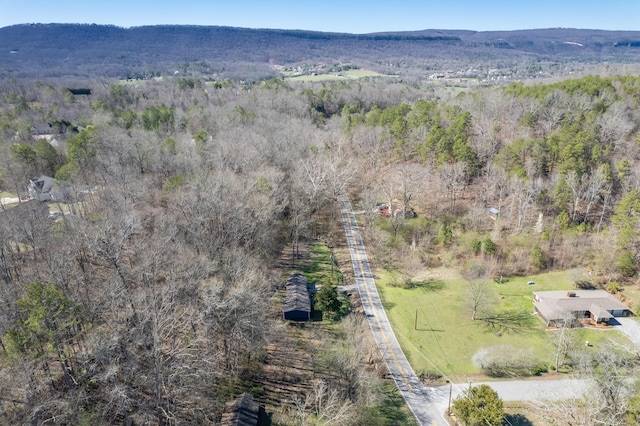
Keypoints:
pixel 476 246
pixel 445 235
pixel 538 257
pixel 540 369
pixel 506 361
pixel 490 247
pixel 327 299
pixel 613 287
pixel 479 406
pixel 563 220
pixel 431 376
pixel 626 264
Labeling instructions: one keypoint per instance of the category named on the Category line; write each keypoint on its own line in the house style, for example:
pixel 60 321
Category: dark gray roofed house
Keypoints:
pixel 80 91
pixel 297 303
pixel 42 129
pixel 596 305
pixel 43 189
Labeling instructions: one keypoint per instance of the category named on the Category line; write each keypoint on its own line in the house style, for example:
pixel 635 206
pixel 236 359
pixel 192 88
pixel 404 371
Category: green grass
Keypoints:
pixel 392 410
pixel 321 267
pixel 446 338
pixel 5 194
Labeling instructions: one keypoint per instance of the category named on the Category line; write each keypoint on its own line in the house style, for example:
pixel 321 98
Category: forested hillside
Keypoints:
pixel 150 298
pixel 74 50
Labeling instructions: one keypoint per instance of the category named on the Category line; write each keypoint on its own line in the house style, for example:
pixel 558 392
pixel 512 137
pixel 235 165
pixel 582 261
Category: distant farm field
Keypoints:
pixel 343 75
pixel 446 338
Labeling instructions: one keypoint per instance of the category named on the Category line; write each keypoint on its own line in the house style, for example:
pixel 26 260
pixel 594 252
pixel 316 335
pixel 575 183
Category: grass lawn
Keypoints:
pixel 321 269
pixel 446 338
pixel 5 194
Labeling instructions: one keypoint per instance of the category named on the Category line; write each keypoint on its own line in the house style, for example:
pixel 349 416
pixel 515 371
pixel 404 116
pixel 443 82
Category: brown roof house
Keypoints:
pixel 554 307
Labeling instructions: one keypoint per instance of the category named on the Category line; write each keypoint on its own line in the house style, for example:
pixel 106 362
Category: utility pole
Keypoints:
pixel 415 324
pixel 450 388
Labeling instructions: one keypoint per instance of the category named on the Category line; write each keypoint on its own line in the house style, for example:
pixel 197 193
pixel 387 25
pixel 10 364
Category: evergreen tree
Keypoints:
pixel 479 406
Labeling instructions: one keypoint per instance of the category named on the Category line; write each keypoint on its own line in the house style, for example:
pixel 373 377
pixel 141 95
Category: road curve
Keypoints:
pixel 426 404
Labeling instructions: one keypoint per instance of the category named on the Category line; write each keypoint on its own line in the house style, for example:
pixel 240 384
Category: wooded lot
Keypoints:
pixel 153 294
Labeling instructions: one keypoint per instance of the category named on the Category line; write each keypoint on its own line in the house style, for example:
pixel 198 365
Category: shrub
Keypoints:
pixel 626 264
pixel 445 235
pixel 563 220
pixel 538 257
pixel 490 247
pixel 479 406
pixel 327 300
pixel 476 246
pixel 613 287
pixel 505 361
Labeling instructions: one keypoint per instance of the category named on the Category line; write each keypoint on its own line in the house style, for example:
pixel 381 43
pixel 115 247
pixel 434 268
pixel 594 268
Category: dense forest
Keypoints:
pixel 150 297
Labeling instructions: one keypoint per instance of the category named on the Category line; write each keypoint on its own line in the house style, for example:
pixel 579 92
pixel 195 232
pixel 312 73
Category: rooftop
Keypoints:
pixel 297 294
pixel 558 304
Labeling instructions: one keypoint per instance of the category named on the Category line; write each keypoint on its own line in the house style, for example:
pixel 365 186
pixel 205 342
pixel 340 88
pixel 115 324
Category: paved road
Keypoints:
pixel 428 404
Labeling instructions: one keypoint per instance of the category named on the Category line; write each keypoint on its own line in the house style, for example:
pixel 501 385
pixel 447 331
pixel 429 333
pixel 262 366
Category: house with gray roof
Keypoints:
pixel 298 302
pixel 554 307
pixel 43 189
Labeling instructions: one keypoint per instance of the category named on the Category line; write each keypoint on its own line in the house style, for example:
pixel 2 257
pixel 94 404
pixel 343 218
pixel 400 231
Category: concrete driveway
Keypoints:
pixel 631 328
pixel 5 201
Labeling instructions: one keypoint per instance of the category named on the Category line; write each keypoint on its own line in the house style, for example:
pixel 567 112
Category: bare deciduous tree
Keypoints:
pixel 480 297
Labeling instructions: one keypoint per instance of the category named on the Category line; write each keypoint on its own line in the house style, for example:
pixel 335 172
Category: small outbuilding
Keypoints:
pixel 298 298
pixel 493 212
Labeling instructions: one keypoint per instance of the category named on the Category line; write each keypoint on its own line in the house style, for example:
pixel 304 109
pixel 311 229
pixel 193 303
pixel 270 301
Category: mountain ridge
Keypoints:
pixel 50 50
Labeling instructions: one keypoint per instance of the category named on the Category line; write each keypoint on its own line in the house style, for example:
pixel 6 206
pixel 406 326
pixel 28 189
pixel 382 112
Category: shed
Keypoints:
pixel 297 303
pixel 493 212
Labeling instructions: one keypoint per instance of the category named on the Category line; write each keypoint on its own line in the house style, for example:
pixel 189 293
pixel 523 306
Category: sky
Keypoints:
pixel 347 16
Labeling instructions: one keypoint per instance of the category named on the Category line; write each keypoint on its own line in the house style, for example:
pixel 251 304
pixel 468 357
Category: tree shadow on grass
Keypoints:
pixel 429 285
pixel 517 420
pixel 388 305
pixel 389 409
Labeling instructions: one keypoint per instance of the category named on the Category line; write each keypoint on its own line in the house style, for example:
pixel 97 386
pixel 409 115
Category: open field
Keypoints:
pixel 446 338
pixel 343 75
